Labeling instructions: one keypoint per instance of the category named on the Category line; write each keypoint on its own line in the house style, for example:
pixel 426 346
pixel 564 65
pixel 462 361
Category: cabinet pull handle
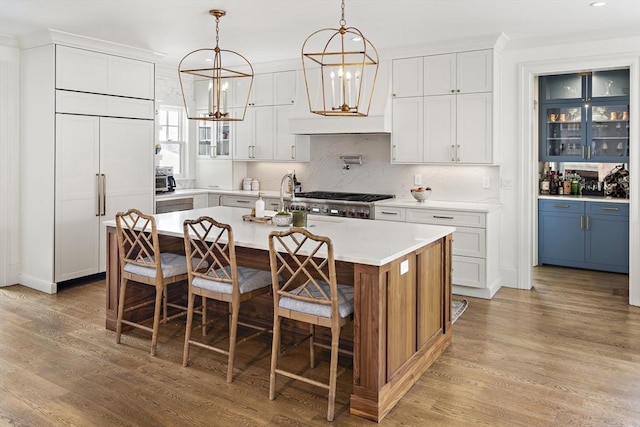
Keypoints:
pixel 453 150
pixel 588 152
pixel 582 153
pixel 388 213
pixel 293 152
pixel 458 151
pixel 98 191
pixel 609 209
pixel 243 201
pixel 453 91
pixel 581 222
pixel 104 195
pixel 442 217
pixel 394 151
pixel 561 206
pixel 588 227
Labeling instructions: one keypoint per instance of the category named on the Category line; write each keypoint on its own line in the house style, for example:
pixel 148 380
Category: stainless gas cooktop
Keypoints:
pixel 333 203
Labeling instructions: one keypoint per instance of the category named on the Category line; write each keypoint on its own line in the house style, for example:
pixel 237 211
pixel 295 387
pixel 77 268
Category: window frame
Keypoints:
pixel 183 139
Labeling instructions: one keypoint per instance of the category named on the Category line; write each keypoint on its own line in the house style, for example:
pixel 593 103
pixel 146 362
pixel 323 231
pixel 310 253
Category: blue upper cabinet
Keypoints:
pixel 585 117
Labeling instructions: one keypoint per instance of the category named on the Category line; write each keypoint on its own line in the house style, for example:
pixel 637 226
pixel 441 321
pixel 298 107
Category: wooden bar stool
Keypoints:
pixel 305 289
pixel 141 261
pixel 207 240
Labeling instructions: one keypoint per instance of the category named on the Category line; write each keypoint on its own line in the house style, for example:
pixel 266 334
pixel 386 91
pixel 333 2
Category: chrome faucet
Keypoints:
pixel 284 179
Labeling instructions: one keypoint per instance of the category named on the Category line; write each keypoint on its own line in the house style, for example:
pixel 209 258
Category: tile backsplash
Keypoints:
pixel 377 174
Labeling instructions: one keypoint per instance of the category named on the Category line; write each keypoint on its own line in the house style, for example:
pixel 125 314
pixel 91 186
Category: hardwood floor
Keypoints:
pixel 566 353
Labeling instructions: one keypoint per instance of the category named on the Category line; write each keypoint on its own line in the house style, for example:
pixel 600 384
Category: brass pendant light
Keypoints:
pixel 223 74
pixel 339 73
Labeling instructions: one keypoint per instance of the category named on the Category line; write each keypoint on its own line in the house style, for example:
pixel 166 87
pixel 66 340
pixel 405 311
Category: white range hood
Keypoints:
pixel 303 122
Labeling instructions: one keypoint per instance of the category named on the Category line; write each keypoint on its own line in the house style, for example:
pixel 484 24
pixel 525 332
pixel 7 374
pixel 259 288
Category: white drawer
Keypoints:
pixel 469 271
pixel 447 217
pixel 469 241
pixel 238 201
pixel 272 204
pixel 390 213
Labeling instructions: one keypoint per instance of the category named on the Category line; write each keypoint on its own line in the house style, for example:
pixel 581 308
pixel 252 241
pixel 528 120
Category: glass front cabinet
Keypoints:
pixel 214 139
pixel 585 117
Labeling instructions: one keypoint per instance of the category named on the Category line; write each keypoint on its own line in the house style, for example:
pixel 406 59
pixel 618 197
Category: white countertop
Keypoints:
pixel 354 240
pixel 586 199
pixel 439 204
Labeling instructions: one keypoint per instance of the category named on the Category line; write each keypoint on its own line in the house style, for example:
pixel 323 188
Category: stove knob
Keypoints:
pixel 365 213
pixel 324 209
pixel 352 212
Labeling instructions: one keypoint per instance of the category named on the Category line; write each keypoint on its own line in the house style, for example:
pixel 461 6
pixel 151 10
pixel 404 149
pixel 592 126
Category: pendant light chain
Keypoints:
pixel 217 32
pixel 342 21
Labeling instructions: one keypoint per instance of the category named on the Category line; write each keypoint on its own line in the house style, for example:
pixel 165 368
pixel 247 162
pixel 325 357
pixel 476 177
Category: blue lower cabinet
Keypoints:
pixel 590 235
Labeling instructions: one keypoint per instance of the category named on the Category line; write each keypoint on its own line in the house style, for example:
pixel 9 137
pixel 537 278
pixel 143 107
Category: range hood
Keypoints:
pixel 303 122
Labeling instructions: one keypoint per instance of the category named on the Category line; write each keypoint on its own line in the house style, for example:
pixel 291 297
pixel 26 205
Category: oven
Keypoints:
pixel 331 203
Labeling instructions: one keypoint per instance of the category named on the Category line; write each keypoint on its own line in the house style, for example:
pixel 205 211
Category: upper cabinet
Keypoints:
pixel 87 71
pixel 585 117
pixel 443 108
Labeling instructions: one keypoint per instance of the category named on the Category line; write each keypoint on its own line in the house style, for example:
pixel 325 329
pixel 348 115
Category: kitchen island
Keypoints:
pixel 401 273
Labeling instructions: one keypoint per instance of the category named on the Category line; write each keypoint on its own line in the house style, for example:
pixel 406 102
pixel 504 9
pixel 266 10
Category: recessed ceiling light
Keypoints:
pixel 598 3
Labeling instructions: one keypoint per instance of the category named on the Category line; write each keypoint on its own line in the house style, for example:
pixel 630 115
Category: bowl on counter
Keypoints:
pixel 282 219
pixel 421 193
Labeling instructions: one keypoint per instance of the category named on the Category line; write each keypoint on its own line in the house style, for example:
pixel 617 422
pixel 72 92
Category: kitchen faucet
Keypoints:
pixel 284 179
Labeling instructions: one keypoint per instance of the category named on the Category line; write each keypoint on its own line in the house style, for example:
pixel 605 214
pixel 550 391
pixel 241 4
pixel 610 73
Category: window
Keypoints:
pixel 172 138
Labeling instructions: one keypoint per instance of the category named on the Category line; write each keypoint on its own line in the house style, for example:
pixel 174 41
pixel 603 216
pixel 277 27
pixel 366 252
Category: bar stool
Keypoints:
pixel 207 240
pixel 308 292
pixel 141 261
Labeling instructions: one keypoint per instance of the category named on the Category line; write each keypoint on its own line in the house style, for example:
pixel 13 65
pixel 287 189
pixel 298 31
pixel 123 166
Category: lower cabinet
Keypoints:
pixel 590 235
pixel 476 269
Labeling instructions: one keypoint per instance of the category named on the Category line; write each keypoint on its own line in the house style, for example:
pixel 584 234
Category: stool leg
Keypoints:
pixel 333 371
pixel 204 316
pixel 187 333
pixel 233 331
pixel 156 320
pixel 312 347
pixel 275 350
pixel 123 288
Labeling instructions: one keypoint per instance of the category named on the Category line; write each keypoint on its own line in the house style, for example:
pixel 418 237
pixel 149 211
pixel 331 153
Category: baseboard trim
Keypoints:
pixel 38 284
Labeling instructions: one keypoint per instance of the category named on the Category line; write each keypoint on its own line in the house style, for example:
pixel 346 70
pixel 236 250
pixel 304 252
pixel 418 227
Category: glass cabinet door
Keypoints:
pixel 610 83
pixel 563 87
pixel 204 137
pixel 608 134
pixel 564 133
pixel 222 139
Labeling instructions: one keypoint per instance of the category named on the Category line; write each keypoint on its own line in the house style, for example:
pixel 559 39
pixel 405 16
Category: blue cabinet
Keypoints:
pixel 591 235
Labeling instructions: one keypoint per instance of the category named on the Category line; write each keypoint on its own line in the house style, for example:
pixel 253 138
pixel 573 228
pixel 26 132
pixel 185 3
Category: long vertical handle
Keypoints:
pixel 453 156
pixel 293 152
pixel 98 191
pixel 588 225
pixel 394 152
pixel 458 152
pixel 104 195
pixel 581 222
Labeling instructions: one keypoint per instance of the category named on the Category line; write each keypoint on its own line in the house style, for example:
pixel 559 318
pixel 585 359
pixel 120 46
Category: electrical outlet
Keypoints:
pixel 417 179
pixel 486 182
pixel 507 183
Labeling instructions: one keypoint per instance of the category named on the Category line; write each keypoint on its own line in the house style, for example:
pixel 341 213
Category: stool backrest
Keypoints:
pixel 209 241
pixel 138 240
pixel 303 260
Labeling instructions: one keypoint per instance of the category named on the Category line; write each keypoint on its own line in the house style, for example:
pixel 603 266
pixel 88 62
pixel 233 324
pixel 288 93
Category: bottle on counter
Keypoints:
pixel 560 185
pixel 259 206
pixel 553 184
pixel 567 184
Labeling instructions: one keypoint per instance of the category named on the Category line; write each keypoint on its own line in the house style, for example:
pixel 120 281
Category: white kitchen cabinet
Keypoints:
pixel 456 125
pixel 458 73
pixel 103 166
pixel 476 270
pixel 287 146
pixel 200 201
pixel 238 201
pixel 83 163
pixel 254 135
pixel 214 200
pixel 407 138
pixel 285 87
pixel 94 72
pixel 407 77
pixel 214 174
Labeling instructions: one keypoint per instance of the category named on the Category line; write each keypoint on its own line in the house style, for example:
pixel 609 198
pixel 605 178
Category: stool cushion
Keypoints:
pixel 172 265
pixel 345 301
pixel 249 279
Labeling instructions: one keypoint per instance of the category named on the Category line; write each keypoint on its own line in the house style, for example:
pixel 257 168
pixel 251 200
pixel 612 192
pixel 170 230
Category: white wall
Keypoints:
pixel 9 160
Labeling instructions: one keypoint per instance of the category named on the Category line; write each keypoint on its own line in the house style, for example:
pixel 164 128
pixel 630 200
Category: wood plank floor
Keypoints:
pixel 566 353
